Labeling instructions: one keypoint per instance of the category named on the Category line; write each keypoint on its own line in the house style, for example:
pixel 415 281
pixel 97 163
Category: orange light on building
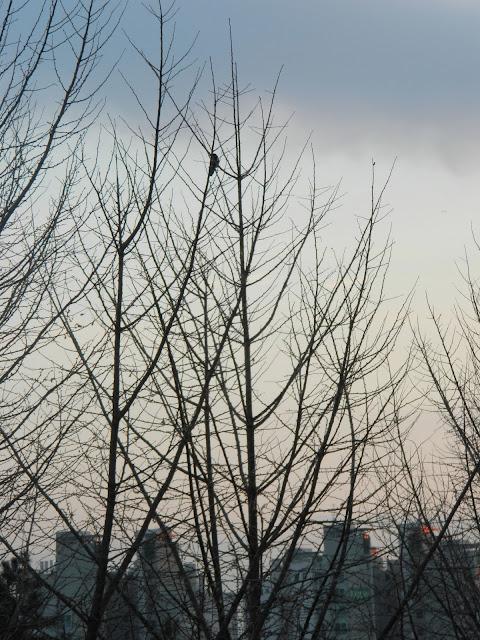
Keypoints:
pixel 162 536
pixel 426 530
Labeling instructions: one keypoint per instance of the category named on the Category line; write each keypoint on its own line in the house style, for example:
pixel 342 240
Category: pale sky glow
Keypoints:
pixel 379 80
pixel 372 80
pixel 390 81
pixel 383 80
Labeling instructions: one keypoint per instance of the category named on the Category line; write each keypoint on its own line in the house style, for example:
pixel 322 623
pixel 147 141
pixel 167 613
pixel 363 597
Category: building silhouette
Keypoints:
pixel 343 590
pixel 445 603
pixel 71 580
pixel 167 590
pixel 324 593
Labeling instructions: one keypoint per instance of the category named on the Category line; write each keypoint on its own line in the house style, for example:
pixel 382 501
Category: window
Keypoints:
pixel 68 621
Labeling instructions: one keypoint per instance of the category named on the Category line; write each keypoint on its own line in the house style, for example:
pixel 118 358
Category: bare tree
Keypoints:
pixel 213 369
pixel 448 364
pixel 40 112
pixel 48 54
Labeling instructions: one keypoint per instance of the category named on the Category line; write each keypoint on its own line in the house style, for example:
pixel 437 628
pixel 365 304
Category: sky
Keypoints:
pixel 394 81
pixel 390 81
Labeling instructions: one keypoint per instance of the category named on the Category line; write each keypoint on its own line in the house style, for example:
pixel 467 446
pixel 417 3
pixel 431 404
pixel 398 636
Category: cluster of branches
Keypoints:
pixel 178 348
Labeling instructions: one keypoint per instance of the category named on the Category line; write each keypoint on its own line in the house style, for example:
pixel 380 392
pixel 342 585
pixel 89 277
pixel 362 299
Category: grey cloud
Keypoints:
pixel 400 75
pixel 388 54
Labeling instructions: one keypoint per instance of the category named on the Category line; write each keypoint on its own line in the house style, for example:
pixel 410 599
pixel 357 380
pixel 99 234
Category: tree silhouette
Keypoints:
pixel 21 600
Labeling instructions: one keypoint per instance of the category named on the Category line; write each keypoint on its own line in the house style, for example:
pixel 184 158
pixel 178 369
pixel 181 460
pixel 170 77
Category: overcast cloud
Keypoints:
pixel 398 74
pixel 398 54
pixel 380 79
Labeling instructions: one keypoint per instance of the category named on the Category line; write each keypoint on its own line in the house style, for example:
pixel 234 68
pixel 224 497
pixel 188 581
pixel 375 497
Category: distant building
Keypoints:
pixel 351 613
pixel 387 581
pixel 445 603
pixel 121 617
pixel 167 591
pixel 342 590
pixel 161 597
pixel 73 577
pixel 324 594
pixel 295 598
pixel 211 615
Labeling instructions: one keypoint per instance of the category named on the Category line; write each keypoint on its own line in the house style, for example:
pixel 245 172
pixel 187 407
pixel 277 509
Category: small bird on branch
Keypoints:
pixel 214 162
